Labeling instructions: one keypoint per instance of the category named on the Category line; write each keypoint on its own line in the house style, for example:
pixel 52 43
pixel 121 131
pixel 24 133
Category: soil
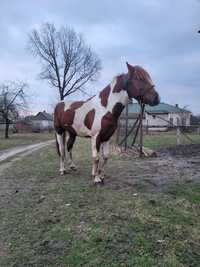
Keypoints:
pixel 173 165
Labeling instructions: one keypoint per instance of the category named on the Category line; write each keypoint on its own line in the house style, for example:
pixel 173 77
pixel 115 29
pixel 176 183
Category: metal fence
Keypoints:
pixel 130 131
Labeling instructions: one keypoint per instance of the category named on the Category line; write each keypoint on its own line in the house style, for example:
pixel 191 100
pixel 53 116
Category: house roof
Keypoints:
pixel 40 116
pixel 160 108
pixel 43 116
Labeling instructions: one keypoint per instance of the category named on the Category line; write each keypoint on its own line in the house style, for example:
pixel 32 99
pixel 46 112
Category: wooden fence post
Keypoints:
pixel 126 128
pixel 117 133
pixel 178 136
pixel 141 130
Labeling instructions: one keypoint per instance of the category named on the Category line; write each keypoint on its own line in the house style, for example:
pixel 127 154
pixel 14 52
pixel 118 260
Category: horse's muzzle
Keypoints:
pixel 156 100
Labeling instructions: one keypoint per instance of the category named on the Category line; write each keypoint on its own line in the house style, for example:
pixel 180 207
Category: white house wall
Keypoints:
pixel 42 124
pixel 156 120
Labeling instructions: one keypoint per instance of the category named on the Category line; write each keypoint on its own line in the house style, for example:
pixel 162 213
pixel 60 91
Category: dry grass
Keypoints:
pixel 23 139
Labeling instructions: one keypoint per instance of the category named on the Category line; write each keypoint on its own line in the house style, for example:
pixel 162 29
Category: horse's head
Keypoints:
pixel 140 86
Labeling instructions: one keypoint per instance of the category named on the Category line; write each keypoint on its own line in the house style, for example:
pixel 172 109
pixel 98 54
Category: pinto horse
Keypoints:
pixel 97 117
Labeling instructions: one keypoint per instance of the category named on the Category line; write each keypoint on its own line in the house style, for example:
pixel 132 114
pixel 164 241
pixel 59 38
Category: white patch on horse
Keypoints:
pixel 80 114
pixel 68 104
pixel 100 111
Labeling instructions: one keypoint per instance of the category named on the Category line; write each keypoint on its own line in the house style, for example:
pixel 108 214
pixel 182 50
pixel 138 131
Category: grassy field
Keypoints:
pixel 162 140
pixel 49 220
pixel 155 141
pixel 23 139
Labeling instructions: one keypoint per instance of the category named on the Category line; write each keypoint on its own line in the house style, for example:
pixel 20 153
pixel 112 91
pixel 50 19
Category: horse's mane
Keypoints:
pixel 142 74
pixel 139 73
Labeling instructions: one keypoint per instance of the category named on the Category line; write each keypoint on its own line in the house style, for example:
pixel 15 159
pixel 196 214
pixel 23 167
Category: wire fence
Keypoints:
pixel 131 132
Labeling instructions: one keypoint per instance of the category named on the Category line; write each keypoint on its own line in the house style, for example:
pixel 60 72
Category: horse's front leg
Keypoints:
pixel 95 163
pixel 105 154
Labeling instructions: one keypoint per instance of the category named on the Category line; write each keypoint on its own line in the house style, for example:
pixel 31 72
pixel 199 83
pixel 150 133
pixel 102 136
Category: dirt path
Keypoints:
pixel 19 152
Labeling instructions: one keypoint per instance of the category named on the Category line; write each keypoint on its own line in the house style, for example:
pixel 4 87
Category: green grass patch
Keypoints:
pixel 166 139
pixel 49 220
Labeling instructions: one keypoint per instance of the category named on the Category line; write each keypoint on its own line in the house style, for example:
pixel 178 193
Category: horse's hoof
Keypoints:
pixel 63 172
pixel 98 182
pixel 73 168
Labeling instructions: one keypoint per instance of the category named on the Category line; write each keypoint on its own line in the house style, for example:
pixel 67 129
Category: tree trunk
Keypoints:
pixel 7 128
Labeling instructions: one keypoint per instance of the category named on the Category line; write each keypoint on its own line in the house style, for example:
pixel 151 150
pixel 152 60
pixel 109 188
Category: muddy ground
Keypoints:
pixel 173 165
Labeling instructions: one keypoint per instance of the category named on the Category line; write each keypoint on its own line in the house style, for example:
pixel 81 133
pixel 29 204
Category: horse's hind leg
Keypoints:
pixel 60 138
pixel 70 143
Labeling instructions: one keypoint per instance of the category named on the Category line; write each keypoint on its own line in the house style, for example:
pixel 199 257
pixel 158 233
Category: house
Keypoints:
pixel 160 117
pixel 23 126
pixel 42 121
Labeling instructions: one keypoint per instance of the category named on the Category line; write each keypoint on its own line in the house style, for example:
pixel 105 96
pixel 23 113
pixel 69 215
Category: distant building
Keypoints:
pixel 42 121
pixel 23 126
pixel 161 116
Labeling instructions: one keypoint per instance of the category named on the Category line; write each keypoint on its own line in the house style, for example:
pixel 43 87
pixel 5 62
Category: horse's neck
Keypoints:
pixel 117 93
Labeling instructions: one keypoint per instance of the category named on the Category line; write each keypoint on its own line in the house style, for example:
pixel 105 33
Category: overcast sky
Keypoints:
pixel 159 35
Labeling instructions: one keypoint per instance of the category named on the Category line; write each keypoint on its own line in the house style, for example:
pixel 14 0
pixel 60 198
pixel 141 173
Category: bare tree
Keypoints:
pixel 12 101
pixel 67 62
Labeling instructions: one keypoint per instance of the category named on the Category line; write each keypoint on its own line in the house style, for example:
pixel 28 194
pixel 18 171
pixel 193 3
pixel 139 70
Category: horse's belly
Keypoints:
pixel 81 130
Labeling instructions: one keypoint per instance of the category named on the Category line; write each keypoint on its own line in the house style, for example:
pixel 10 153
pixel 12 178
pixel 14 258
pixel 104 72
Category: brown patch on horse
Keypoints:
pixel 72 137
pixel 108 127
pixel 109 124
pixel 117 110
pixel 76 104
pixel 57 115
pixel 89 119
pixel 119 86
pixel 68 117
pixel 62 118
pixel 104 94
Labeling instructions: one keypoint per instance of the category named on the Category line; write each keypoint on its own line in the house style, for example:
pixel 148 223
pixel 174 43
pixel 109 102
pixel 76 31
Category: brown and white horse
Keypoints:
pixel 97 117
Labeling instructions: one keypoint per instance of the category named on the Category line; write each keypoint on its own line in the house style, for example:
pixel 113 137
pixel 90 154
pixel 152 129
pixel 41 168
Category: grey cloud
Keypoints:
pixel 160 35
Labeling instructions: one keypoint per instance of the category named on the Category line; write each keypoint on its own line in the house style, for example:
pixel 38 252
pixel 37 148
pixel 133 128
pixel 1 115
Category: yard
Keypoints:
pixel 165 139
pixel 147 214
pixel 23 139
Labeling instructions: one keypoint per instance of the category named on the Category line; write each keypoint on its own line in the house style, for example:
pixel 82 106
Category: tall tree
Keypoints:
pixel 67 62
pixel 12 101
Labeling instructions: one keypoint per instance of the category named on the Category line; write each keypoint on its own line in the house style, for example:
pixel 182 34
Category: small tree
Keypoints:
pixel 12 101
pixel 67 62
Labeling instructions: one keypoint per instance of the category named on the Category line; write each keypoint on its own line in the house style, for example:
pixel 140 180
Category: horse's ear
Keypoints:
pixel 131 69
